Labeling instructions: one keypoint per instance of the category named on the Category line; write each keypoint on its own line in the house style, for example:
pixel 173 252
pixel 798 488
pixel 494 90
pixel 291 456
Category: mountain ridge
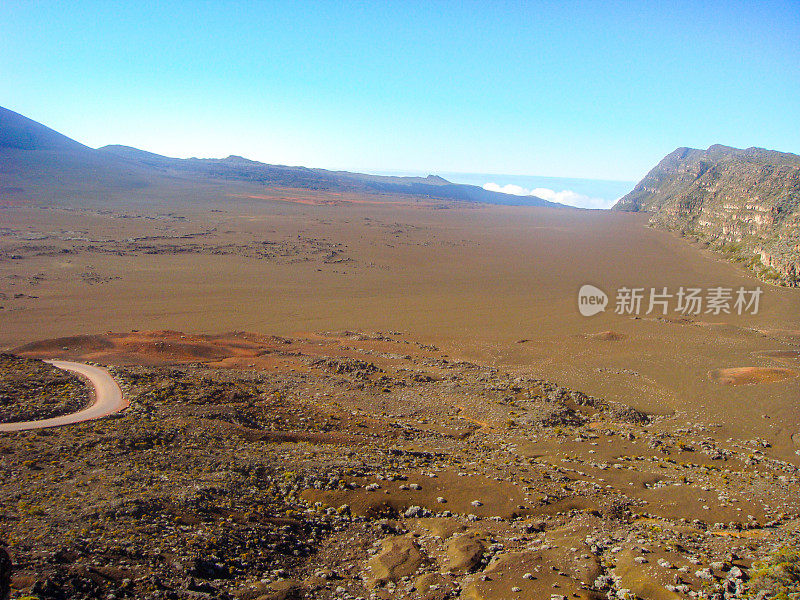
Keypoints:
pixel 37 159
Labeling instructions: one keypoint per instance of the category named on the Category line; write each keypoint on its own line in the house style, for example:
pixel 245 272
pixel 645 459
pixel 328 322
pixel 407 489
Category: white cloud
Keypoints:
pixel 507 189
pixel 567 197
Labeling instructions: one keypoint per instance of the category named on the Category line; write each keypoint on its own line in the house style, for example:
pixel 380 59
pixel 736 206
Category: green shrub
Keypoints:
pixel 778 575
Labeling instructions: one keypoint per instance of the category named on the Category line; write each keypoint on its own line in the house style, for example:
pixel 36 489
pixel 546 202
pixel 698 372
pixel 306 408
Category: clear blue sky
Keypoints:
pixel 572 89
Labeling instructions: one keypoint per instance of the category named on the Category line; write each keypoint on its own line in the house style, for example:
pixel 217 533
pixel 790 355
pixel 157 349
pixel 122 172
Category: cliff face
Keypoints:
pixel 745 203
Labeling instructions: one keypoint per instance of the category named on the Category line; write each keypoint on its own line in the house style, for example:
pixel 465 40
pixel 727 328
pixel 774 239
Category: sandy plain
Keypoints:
pixel 495 284
pixel 432 357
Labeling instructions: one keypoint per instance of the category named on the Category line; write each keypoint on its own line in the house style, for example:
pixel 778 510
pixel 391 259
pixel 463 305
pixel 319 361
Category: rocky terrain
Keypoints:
pixel 745 203
pixel 34 390
pixel 348 465
pixel 68 244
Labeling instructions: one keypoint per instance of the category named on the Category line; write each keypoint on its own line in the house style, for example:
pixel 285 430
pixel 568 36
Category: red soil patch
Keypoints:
pixel 318 200
pixel 750 375
pixel 314 201
pixel 230 350
pixel 148 348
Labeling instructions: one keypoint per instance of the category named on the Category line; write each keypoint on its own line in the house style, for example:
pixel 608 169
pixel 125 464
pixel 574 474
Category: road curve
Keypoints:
pixel 107 398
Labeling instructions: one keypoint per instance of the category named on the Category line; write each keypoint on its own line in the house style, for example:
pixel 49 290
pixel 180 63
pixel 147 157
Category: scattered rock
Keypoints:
pixel 464 553
pixel 399 557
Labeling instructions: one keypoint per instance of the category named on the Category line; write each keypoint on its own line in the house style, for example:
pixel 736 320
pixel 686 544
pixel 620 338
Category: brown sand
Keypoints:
pixel 470 280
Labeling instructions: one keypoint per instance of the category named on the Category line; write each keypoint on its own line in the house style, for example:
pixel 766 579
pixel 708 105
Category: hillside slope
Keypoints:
pixel 40 164
pixel 743 202
pixel 21 133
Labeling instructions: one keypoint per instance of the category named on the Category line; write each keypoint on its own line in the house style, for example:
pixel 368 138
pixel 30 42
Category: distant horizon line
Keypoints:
pixel 419 173
pixel 423 172
pixel 367 171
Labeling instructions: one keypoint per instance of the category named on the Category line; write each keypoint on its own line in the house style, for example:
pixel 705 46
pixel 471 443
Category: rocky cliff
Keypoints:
pixel 745 203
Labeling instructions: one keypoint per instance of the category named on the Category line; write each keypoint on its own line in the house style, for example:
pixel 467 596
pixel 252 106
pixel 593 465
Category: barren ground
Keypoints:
pixel 483 384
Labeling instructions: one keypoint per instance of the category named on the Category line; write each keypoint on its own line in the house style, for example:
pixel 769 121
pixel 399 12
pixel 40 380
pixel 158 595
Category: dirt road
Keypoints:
pixel 107 399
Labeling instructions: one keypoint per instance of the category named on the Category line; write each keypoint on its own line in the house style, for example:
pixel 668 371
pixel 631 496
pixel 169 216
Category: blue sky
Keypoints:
pixel 569 89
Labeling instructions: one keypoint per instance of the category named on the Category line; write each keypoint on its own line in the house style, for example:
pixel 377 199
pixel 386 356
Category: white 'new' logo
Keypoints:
pixel 591 300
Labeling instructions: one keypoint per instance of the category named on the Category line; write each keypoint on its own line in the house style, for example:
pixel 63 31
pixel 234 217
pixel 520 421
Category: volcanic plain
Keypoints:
pixel 373 396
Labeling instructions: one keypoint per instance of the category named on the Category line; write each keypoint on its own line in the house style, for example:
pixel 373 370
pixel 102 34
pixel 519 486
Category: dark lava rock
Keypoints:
pixel 5 574
pixel 208 569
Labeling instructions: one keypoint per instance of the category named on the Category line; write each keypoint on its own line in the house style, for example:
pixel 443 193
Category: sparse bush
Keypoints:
pixel 776 577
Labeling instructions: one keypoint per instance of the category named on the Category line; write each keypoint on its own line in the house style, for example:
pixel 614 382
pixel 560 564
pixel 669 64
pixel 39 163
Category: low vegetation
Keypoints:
pixel 370 466
pixel 777 576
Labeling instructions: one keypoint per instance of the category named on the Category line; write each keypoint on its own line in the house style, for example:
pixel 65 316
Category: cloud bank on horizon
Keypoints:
pixel 567 197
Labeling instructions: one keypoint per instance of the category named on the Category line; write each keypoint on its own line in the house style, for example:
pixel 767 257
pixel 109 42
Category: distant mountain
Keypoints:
pixel 40 164
pixel 745 203
pixel 237 168
pixel 21 133
pixel 45 165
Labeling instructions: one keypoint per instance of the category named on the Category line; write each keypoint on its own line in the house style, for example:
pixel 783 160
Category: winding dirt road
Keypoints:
pixel 107 399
